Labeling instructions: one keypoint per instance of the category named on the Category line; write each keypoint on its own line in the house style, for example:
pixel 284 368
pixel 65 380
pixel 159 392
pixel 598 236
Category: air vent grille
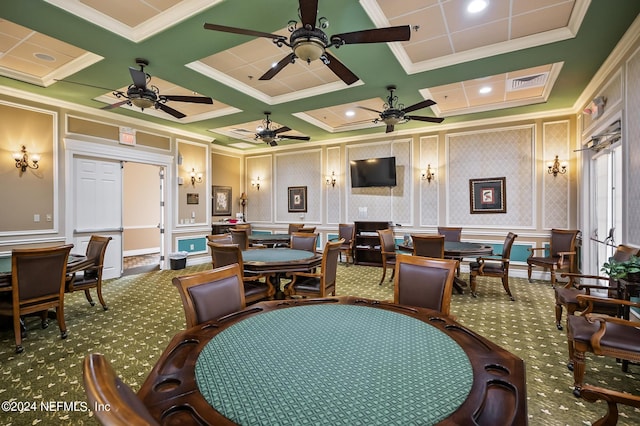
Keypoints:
pixel 527 82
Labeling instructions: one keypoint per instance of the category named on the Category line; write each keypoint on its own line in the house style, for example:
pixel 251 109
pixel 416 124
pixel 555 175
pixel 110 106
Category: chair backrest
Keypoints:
pixel 428 245
pixel 293 227
pixel 508 243
pixel 562 240
pixel 246 226
pixel 424 282
pixel 450 233
pixel 624 253
pixel 387 241
pixel 304 241
pixel 310 230
pixel 347 231
pixel 226 254
pixel 220 238
pixel 211 294
pixel 240 237
pixel 96 249
pixel 105 389
pixel 330 266
pixel 39 273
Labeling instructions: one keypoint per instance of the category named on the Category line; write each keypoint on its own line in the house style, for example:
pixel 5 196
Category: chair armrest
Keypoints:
pixel 590 301
pixel 574 276
pixel 484 260
pixel 534 249
pixel 564 254
pixel 612 398
pixel 604 320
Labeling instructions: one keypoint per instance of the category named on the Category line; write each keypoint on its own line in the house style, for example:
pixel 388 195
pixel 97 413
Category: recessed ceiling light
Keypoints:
pixel 476 6
pixel 485 89
pixel 350 113
pixel 44 57
pixel 273 65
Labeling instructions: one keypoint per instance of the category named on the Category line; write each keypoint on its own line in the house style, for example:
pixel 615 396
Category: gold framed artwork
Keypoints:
pixel 298 199
pixel 488 195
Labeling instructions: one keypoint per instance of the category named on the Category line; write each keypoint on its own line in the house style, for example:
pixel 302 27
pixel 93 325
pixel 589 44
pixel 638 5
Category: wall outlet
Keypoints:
pixel 192 247
pixel 49 218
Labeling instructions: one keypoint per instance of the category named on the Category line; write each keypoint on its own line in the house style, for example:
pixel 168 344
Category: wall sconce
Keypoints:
pixel 331 180
pixel 554 167
pixel 243 203
pixel 428 174
pixel 195 177
pixel 22 160
pixel 256 183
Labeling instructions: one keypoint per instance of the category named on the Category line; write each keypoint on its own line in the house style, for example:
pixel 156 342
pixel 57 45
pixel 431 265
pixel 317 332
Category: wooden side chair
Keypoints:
pixel 294 227
pixel 218 239
pixel 424 282
pixel 91 277
pixel 567 296
pixel 38 279
pixel 387 252
pixel 304 241
pixel 601 335
pixel 494 266
pixel 454 234
pixel 428 245
pixel 105 389
pixel 240 236
pixel 612 398
pixel 209 295
pixel 308 230
pixel 256 287
pixel 562 252
pixel 320 284
pixel 347 232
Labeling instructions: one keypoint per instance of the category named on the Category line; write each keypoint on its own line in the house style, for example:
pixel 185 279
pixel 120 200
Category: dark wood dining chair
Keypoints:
pixel 212 294
pixel 240 236
pixel 387 252
pixel 91 277
pixel 304 241
pixel 454 234
pixel 256 287
pixel 317 284
pixel 561 257
pixel 567 295
pixel 104 389
pixel 308 230
pixel 428 245
pixel 424 282
pixel 493 266
pixel 347 232
pixel 38 279
pixel 294 227
pixel 218 239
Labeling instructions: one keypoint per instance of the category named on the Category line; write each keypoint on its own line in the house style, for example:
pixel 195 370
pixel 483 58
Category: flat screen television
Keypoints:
pixel 373 172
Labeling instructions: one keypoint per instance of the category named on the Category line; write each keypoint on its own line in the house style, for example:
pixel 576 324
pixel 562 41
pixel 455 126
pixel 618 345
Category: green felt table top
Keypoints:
pixel 337 365
pixel 275 255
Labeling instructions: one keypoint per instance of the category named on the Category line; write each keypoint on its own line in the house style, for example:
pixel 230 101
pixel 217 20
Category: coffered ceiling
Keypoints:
pixel 513 57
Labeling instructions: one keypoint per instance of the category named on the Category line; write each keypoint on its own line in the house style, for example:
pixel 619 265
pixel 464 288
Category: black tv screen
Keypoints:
pixel 373 172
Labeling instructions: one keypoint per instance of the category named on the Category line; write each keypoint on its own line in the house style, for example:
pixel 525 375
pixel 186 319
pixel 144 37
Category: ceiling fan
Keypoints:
pixel 396 113
pixel 143 95
pixel 271 136
pixel 309 42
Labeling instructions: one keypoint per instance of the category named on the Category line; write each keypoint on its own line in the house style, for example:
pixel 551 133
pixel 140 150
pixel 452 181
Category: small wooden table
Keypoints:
pixel 368 362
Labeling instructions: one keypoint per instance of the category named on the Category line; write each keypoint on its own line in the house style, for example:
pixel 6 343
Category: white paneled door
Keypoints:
pixel 97 201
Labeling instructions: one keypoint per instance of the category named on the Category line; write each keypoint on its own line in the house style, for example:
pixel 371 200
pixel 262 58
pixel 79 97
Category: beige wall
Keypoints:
pixel 141 208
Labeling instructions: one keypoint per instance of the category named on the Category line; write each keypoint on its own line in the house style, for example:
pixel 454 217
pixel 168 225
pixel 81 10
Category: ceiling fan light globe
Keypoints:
pixel 308 50
pixel 142 102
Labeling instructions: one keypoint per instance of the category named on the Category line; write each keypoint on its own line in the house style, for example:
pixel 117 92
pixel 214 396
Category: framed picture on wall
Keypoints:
pixel 193 198
pixel 221 201
pixel 488 195
pixel 298 199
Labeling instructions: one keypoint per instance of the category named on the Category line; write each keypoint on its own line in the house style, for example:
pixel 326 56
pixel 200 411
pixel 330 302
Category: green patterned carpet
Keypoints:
pixel 145 311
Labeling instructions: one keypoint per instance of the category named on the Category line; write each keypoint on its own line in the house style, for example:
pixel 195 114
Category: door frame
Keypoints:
pixel 74 147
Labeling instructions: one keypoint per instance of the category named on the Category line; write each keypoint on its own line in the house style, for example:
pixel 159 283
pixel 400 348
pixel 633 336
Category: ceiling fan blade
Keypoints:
pixel 419 105
pixel 340 69
pixel 281 129
pixel 427 119
pixel 169 110
pixel 390 128
pixel 233 30
pixel 308 12
pixel 116 105
pixel 376 35
pixel 369 109
pixel 297 138
pixel 278 67
pixel 192 99
pixel 85 84
pixel 139 77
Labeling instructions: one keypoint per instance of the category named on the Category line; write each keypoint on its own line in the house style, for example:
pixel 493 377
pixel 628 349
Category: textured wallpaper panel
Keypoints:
pixel 300 168
pixel 555 202
pixel 497 153
pixel 632 142
pixel 401 200
pixel 259 205
pixel 334 207
pixel 429 190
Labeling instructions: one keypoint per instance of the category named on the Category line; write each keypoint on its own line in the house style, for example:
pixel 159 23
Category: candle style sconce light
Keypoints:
pixel 428 174
pixel 331 180
pixel 256 183
pixel 554 167
pixel 22 160
pixel 195 177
